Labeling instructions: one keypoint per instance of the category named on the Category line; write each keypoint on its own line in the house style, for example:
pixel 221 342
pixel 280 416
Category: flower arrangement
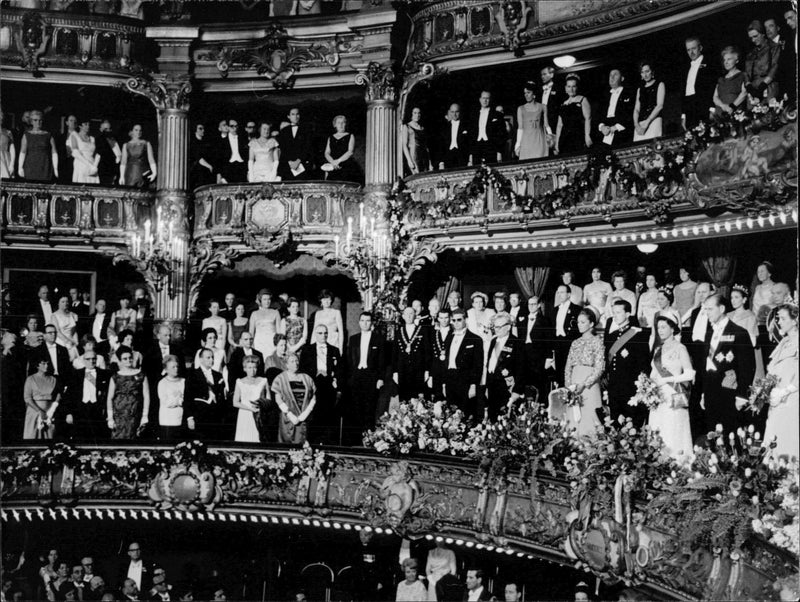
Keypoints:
pixel 420 425
pixel 569 397
pixel 309 462
pixel 760 392
pixel 782 527
pixel 648 393
pixel 727 487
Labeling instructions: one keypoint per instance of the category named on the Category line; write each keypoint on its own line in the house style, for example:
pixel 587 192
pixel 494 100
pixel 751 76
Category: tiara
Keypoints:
pixel 665 289
pixel 741 288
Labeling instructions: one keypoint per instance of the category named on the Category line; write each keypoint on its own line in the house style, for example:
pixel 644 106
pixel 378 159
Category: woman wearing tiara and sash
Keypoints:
pixel 672 371
pixel 741 316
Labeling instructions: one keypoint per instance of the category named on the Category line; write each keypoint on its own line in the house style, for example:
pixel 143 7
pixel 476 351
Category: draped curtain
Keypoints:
pixel 720 263
pixel 532 281
pixel 453 284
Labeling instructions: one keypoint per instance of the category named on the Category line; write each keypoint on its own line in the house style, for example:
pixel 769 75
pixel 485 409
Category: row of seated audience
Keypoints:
pixel 271 377
pixel 557 119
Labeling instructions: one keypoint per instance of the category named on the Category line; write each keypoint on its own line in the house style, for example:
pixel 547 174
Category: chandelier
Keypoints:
pixel 154 253
pixel 365 249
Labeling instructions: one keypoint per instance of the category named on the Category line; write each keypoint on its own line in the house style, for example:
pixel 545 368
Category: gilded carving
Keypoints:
pixel 165 91
pixel 378 80
pixel 186 488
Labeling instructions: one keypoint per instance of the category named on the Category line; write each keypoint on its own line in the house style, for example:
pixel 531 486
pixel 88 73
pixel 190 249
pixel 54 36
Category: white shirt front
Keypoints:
pixel 233 140
pixel 47 311
pixel 612 102
pixel 322 360
pixel 455 345
pixel 531 324
pixel 546 89
pixel 691 78
pixel 561 317
pixel 717 328
pixel 135 572
pixel 454 133
pixel 90 387
pixel 483 118
pixel 700 327
pixel 364 350
pixel 97 327
pixel 52 350
pixel 475 594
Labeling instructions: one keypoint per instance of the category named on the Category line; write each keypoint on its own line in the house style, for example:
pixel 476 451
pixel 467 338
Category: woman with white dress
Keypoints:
pixel 125 317
pixel 66 324
pixel 672 371
pixel 784 403
pixel 217 322
pixel 585 365
pixel 249 390
pixel 647 305
pixel 264 156
pixel 85 159
pixel 332 318
pixel 170 401
pixel 762 294
pixel 264 324
pixel 741 316
pixel 441 561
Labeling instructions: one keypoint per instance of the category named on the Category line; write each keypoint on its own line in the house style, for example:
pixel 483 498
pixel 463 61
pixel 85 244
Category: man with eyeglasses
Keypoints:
pixel 55 355
pixel 250 130
pixel 87 562
pixel 76 580
pixel 86 399
pixel 135 569
pixel 233 155
pixel 464 364
pixel 296 153
pixel 504 367
pixel 160 589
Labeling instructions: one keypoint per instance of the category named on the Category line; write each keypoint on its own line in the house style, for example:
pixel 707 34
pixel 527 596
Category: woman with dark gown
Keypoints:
pixel 128 401
pixel 137 160
pixel 339 153
pixel 295 395
pixel 574 130
pixel 415 143
pixel 38 157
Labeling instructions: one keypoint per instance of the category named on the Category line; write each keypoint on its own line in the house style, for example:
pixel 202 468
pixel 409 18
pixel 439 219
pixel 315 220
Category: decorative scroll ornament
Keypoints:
pixel 205 258
pixel 379 81
pixel 163 90
pixel 512 18
pixel 187 488
pixel 157 270
pixel 32 41
pixel 277 59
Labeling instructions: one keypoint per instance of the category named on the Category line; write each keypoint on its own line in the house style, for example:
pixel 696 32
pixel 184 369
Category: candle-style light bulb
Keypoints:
pixel 336 246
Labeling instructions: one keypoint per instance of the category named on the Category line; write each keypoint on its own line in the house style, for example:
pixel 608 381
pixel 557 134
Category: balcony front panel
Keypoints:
pixel 52 215
pixel 57 45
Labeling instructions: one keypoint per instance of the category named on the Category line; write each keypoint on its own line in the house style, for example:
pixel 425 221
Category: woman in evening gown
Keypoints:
pixel 332 318
pixel 784 403
pixel 247 393
pixel 38 156
pixel 41 397
pixel 573 133
pixel 584 367
pixel 647 121
pixel 339 152
pixel 217 322
pixel 741 316
pixel 84 156
pixel 238 325
pixel 295 395
pixel 415 143
pixel 128 402
pixel 264 324
pixel 672 371
pixel 137 160
pixel 531 119
pixel 264 155
pixel 294 326
pixel 684 294
pixel 8 152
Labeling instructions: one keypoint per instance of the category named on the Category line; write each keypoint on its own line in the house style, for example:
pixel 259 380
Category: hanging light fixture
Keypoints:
pixel 647 248
pixel 565 61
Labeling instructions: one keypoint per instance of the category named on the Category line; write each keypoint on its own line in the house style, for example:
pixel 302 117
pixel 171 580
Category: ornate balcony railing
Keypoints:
pixel 39 41
pixel 651 190
pixel 71 214
pixel 418 496
pixel 455 28
pixel 258 213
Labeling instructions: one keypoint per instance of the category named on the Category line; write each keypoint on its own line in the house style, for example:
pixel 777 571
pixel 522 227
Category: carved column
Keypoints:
pixel 169 91
pixel 380 170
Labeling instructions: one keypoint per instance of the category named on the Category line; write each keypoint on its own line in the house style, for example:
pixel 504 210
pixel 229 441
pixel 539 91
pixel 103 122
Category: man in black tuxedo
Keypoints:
pixel 366 367
pixel 438 334
pixel 536 333
pixel 43 308
pixel 476 589
pixel 110 155
pixel 135 568
pixel 204 403
pixel 410 357
pixel 487 133
pixel 627 356
pixel 464 369
pixel 730 366
pixel 85 401
pixel 228 312
pixel 76 305
pixel 236 361
pixel 616 113
pixel 552 99
pixel 516 311
pixel 696 338
pixel 451 146
pixel 54 354
pixel 566 329
pixel 699 84
pixel 296 161
pixel 153 364
pixel 233 155
pixel 98 324
pixel 322 362
pixel 504 367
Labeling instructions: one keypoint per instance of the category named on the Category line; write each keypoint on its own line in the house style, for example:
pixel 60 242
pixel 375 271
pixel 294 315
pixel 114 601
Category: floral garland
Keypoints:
pixel 420 425
pixel 125 467
pixel 727 487
pixel 648 393
pixel 782 527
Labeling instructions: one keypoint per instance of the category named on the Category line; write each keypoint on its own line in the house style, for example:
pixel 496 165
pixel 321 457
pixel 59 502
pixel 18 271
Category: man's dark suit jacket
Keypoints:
pixel 334 367
pixel 623 368
pixel 469 358
pixel 376 356
pixel 557 96
pixel 293 147
pixel 509 363
pixel 456 157
pixel 40 353
pixel 537 351
pixel 570 321
pixel 233 172
pixel 236 366
pixel 73 396
pixel 704 85
pixel 495 133
pixel 209 418
pixel 85 327
pixel 623 115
